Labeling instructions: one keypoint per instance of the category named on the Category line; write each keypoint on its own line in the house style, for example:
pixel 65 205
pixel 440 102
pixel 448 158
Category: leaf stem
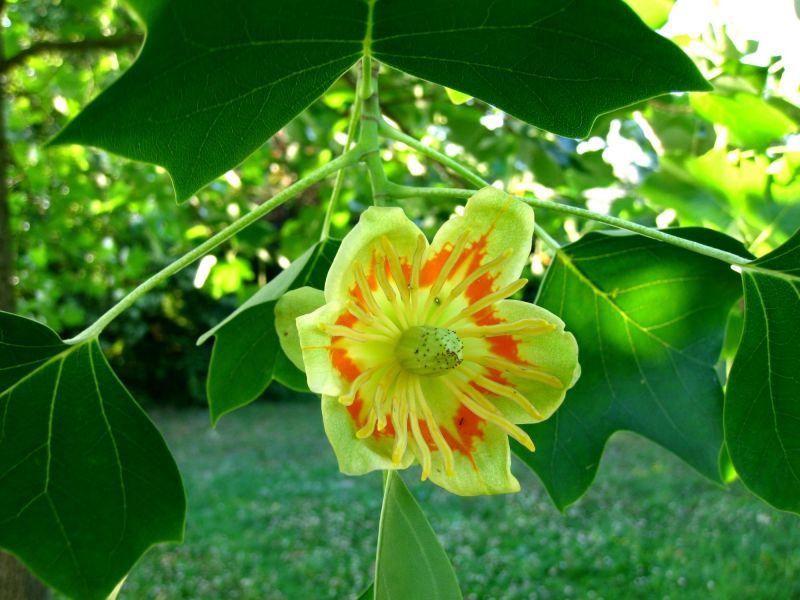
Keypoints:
pixel 546 237
pixel 368 137
pixel 355 117
pixel 478 181
pixel 397 135
pixel 656 234
pixel 345 160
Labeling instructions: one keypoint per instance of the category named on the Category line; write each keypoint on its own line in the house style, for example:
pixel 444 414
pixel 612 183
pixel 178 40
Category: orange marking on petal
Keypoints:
pixel 495 376
pixel 507 347
pixel 354 408
pixel 347 319
pixel 469 426
pixel 387 431
pixel 482 286
pixel 433 266
pixel 344 364
pixel 486 316
pixel 474 253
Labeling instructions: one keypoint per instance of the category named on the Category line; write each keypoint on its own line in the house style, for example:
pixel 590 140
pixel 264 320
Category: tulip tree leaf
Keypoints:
pixel 410 560
pixel 88 484
pixel 649 319
pixel 762 406
pixel 368 593
pixel 555 64
pixel 247 349
pixel 217 78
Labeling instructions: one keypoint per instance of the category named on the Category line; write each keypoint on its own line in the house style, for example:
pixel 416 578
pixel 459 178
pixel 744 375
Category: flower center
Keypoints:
pixel 425 350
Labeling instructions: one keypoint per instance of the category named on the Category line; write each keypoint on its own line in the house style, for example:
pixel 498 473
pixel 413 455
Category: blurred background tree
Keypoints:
pixel 86 226
pixel 79 227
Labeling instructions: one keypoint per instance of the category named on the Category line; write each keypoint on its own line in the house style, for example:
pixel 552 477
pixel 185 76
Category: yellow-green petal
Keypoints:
pixel 362 247
pixel 291 305
pixel 315 345
pixel 357 456
pixel 493 223
pixel 479 450
pixel 552 353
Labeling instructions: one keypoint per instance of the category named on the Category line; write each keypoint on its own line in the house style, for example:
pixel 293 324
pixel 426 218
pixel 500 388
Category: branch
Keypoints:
pixel 114 42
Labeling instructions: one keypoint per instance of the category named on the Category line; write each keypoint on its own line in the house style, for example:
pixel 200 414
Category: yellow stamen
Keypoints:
pixel 433 428
pixel 441 278
pixel 381 321
pixel 384 391
pixel 351 334
pixel 478 273
pixel 366 292
pixel 488 300
pixel 525 372
pixel 416 268
pixel 348 398
pixel 369 427
pixel 399 418
pixel 488 412
pixel 422 446
pixel 509 392
pixel 395 268
pixel 518 328
pixel 383 282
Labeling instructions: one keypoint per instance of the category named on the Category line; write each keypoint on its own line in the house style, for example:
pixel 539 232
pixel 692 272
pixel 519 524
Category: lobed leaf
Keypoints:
pixel 247 354
pixel 649 319
pixel 217 78
pixel 87 482
pixel 410 561
pixel 762 405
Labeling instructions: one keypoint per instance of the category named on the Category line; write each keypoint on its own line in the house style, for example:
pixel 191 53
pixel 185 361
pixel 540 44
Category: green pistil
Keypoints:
pixel 429 350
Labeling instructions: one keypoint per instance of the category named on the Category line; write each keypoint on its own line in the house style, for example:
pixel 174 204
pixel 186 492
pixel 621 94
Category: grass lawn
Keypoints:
pixel 270 517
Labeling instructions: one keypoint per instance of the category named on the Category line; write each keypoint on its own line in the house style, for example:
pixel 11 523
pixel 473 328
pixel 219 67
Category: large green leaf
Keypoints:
pixel 410 561
pixel 762 405
pixel 216 78
pixel 555 64
pixel 88 484
pixel 247 349
pixel 649 319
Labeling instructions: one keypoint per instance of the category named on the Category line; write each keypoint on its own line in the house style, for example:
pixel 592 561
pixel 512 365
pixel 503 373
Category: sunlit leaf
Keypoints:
pixel 762 405
pixel 649 319
pixel 653 12
pixel 246 349
pixel 88 484
pixel 752 121
pixel 410 560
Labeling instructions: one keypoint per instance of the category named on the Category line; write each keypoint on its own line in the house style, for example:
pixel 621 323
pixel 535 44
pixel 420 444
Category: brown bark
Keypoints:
pixel 112 42
pixel 16 583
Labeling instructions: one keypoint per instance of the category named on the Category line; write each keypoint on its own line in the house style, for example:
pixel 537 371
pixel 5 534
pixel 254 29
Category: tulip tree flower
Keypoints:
pixel 421 357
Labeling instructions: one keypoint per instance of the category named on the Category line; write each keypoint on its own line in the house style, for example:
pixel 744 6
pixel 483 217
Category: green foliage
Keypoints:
pixel 277 64
pixel 647 364
pixel 78 456
pixel 762 413
pixel 90 228
pixel 410 562
pixel 530 58
pixel 246 350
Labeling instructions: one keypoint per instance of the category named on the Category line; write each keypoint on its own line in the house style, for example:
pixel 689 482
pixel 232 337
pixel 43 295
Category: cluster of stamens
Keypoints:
pixel 424 328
